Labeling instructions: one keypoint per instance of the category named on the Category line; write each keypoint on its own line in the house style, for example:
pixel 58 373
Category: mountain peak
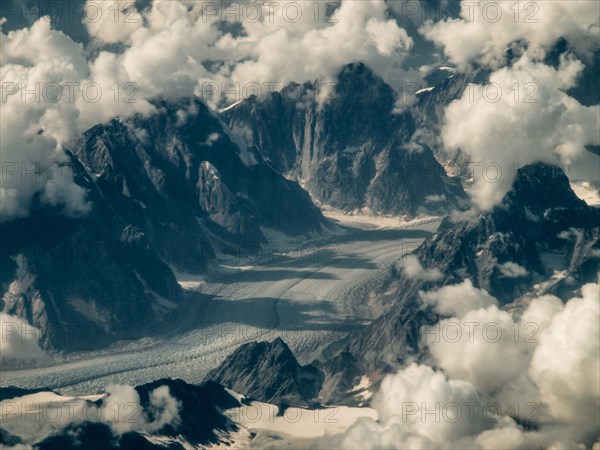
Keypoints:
pixel 542 186
pixel 356 69
pixel 269 372
pixel 359 81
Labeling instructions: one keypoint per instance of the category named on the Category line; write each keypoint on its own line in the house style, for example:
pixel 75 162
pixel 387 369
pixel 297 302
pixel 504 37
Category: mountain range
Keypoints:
pixel 348 144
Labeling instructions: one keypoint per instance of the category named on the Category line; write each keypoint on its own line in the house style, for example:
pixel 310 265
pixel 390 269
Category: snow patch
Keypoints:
pixel 299 422
pixel 366 219
pixel 421 91
pixel 361 391
pixel 233 105
pixel 191 282
pixel 89 311
pixel 247 158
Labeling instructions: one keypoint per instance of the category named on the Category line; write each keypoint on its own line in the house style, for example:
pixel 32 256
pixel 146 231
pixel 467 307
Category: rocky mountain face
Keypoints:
pixel 541 239
pixel 541 225
pixel 169 189
pixel 191 186
pixel 269 372
pixel 87 281
pixel 347 144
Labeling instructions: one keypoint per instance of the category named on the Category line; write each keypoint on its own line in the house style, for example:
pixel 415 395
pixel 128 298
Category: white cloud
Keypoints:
pixel 46 103
pixel 565 364
pixel 458 299
pixel 415 271
pixel 486 28
pixel 542 366
pixel 387 36
pixel 164 407
pixel 32 129
pixel 283 51
pixel 112 22
pixel 476 346
pixel 165 50
pixel 523 115
pixel 401 404
pixel 18 339
pixel 122 411
pixel 512 270
pixel 435 198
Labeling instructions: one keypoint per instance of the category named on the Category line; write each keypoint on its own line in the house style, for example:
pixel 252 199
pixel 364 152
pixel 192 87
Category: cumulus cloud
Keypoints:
pixel 359 31
pixel 487 28
pixel 19 341
pixel 121 401
pixel 522 115
pixel 31 155
pixel 565 364
pixel 422 408
pixel 170 48
pixel 113 22
pixel 121 409
pixel 415 271
pixel 458 299
pixel 497 370
pixel 470 344
pixel 512 270
pixel 164 409
pixel 473 347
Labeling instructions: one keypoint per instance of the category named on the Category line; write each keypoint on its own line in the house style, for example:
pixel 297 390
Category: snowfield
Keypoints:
pixel 261 427
pixel 309 294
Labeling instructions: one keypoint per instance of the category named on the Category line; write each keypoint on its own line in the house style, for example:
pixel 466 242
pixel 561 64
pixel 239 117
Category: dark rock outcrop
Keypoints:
pixel 181 177
pixel 83 282
pixel 541 225
pixel 269 372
